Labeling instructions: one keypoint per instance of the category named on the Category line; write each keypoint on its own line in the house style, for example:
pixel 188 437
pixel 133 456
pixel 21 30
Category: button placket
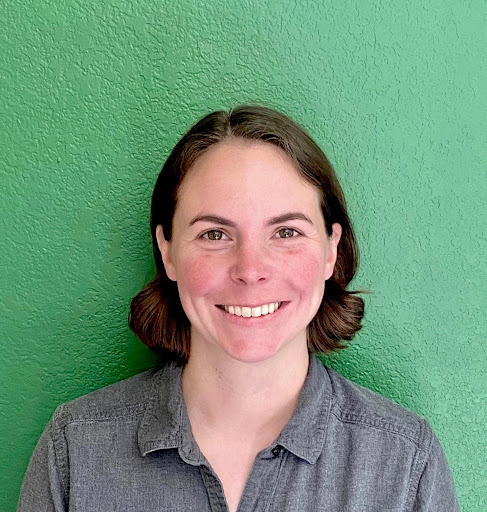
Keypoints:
pixel 263 481
pixel 214 489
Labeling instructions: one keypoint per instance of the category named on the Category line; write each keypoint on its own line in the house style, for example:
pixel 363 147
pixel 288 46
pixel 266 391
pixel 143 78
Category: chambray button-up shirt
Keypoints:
pixel 129 447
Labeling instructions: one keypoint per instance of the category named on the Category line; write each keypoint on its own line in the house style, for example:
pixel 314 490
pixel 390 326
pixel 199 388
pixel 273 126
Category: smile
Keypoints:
pixel 247 312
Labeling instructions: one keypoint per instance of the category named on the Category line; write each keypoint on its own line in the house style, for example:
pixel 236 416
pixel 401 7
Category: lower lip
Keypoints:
pixel 253 320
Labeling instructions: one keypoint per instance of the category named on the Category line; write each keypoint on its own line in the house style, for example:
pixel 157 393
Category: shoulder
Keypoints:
pixel 356 405
pixel 124 399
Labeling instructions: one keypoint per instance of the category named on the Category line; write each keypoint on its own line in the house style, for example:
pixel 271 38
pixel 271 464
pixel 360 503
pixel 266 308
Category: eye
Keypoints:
pixel 287 233
pixel 214 235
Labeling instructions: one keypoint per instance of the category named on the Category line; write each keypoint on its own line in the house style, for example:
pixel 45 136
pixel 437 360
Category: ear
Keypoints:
pixel 166 253
pixel 331 257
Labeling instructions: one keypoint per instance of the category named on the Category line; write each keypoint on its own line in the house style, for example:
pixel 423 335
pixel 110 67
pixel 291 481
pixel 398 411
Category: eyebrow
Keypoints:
pixel 279 219
pixel 285 217
pixel 215 219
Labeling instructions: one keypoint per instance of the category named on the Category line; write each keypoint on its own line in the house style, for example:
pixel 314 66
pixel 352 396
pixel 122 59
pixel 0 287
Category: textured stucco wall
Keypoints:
pixel 93 95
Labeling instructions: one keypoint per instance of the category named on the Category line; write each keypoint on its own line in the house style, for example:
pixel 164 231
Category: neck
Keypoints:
pixel 222 392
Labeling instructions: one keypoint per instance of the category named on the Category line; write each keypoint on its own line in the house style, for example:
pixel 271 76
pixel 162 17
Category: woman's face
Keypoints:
pixel 248 234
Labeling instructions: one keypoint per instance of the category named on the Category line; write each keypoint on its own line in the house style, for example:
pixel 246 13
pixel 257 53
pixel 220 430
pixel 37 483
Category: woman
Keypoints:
pixel 254 250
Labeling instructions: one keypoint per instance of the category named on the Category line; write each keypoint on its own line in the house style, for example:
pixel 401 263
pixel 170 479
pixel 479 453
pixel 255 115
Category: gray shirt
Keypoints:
pixel 129 447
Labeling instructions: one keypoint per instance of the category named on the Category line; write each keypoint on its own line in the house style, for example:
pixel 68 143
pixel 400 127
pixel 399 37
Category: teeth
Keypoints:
pixel 246 312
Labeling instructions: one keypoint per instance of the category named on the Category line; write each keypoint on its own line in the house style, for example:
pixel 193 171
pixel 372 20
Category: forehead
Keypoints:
pixel 240 174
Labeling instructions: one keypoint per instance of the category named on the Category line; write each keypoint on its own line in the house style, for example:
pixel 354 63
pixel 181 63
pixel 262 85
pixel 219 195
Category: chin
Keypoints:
pixel 253 352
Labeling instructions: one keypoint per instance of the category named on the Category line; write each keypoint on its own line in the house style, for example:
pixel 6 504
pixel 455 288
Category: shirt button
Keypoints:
pixel 276 451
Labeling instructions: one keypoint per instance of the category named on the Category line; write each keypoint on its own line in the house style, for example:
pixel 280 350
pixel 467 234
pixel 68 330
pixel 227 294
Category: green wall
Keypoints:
pixel 93 96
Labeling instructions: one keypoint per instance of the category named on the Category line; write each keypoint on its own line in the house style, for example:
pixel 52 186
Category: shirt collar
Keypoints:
pixel 165 424
pixel 305 433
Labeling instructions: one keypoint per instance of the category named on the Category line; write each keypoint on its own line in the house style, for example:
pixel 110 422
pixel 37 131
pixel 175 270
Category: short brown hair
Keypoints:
pixel 156 314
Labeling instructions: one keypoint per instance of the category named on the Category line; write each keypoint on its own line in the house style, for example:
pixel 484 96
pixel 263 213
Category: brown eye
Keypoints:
pixel 286 233
pixel 215 234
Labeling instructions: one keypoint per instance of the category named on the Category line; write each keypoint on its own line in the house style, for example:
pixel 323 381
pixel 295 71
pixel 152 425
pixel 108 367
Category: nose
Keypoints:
pixel 251 264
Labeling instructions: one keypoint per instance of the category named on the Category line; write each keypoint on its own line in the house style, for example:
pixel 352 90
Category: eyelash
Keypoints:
pixel 205 235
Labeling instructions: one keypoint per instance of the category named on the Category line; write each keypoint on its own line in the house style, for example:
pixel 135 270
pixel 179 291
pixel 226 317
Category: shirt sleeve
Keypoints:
pixel 436 490
pixel 42 490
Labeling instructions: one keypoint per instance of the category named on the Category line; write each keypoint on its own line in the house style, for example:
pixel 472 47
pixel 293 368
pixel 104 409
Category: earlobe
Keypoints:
pixel 165 250
pixel 332 250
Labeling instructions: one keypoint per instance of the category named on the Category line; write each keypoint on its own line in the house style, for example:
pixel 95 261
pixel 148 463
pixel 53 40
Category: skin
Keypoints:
pixel 248 230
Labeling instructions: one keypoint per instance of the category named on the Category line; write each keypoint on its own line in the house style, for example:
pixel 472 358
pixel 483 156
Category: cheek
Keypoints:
pixel 306 272
pixel 196 277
